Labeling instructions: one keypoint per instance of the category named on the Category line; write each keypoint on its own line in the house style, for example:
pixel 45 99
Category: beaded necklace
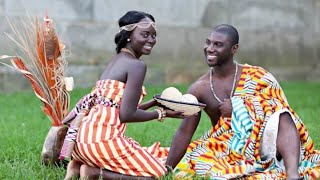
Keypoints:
pixel 233 85
pixel 128 51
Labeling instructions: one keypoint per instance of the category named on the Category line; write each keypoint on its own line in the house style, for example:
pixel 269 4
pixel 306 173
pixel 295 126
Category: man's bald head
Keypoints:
pixel 230 31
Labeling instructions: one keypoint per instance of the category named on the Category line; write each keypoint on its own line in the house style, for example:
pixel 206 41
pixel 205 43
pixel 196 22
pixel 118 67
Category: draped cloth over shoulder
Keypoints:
pixel 96 135
pixel 244 146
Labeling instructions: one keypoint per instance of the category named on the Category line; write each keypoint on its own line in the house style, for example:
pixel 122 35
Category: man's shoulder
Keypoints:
pixel 199 84
pixel 258 72
pixel 255 69
pixel 203 80
pixel 250 66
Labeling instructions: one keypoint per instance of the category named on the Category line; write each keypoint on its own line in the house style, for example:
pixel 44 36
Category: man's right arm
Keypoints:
pixel 185 132
pixel 182 139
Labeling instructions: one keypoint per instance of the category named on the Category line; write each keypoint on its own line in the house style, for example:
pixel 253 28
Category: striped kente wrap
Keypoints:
pixel 244 146
pixel 101 141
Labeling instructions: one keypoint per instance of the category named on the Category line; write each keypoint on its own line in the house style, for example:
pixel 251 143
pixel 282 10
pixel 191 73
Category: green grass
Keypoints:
pixel 23 128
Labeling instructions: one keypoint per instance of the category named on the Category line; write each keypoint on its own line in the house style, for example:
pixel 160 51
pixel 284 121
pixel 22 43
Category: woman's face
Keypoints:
pixel 143 38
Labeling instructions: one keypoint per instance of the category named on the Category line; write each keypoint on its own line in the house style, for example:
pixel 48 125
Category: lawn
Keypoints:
pixel 24 126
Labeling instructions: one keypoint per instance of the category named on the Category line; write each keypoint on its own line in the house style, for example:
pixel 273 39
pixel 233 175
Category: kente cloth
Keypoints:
pixel 244 146
pixel 97 136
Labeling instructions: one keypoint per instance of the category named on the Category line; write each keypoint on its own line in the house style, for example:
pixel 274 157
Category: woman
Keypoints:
pixel 101 149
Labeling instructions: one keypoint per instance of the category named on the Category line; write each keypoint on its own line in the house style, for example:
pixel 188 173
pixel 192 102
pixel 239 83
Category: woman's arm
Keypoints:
pixel 148 104
pixel 131 96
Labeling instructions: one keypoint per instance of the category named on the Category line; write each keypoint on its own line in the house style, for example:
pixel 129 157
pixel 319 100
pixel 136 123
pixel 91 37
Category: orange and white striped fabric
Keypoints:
pixel 101 141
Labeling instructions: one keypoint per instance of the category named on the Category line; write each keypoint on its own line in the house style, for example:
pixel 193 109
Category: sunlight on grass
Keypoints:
pixel 24 126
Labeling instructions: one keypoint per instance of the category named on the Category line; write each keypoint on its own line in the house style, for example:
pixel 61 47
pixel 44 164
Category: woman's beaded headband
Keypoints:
pixel 143 25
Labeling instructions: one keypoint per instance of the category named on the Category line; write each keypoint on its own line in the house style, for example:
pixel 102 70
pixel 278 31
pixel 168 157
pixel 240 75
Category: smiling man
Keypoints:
pixel 254 134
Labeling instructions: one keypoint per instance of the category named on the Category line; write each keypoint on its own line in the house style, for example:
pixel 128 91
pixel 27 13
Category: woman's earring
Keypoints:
pixel 128 40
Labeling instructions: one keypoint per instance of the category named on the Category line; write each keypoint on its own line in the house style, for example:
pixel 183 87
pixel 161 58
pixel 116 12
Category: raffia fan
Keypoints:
pixel 43 63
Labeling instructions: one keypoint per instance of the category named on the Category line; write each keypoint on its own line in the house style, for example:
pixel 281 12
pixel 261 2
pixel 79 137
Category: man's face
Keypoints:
pixel 217 49
pixel 143 38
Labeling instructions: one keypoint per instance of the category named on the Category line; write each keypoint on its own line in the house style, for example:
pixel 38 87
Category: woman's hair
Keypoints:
pixel 130 17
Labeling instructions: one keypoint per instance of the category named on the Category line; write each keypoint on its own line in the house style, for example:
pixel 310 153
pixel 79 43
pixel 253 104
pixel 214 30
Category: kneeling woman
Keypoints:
pixel 101 148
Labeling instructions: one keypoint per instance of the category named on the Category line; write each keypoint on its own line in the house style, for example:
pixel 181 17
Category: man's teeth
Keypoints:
pixel 211 56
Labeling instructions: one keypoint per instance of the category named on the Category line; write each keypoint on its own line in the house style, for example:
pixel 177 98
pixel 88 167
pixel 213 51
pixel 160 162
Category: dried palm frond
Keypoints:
pixel 43 63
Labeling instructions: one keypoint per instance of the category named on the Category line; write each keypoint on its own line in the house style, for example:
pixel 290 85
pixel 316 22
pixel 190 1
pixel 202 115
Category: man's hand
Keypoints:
pixel 226 108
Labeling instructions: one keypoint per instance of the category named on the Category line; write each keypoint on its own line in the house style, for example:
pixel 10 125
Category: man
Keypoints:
pixel 254 134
